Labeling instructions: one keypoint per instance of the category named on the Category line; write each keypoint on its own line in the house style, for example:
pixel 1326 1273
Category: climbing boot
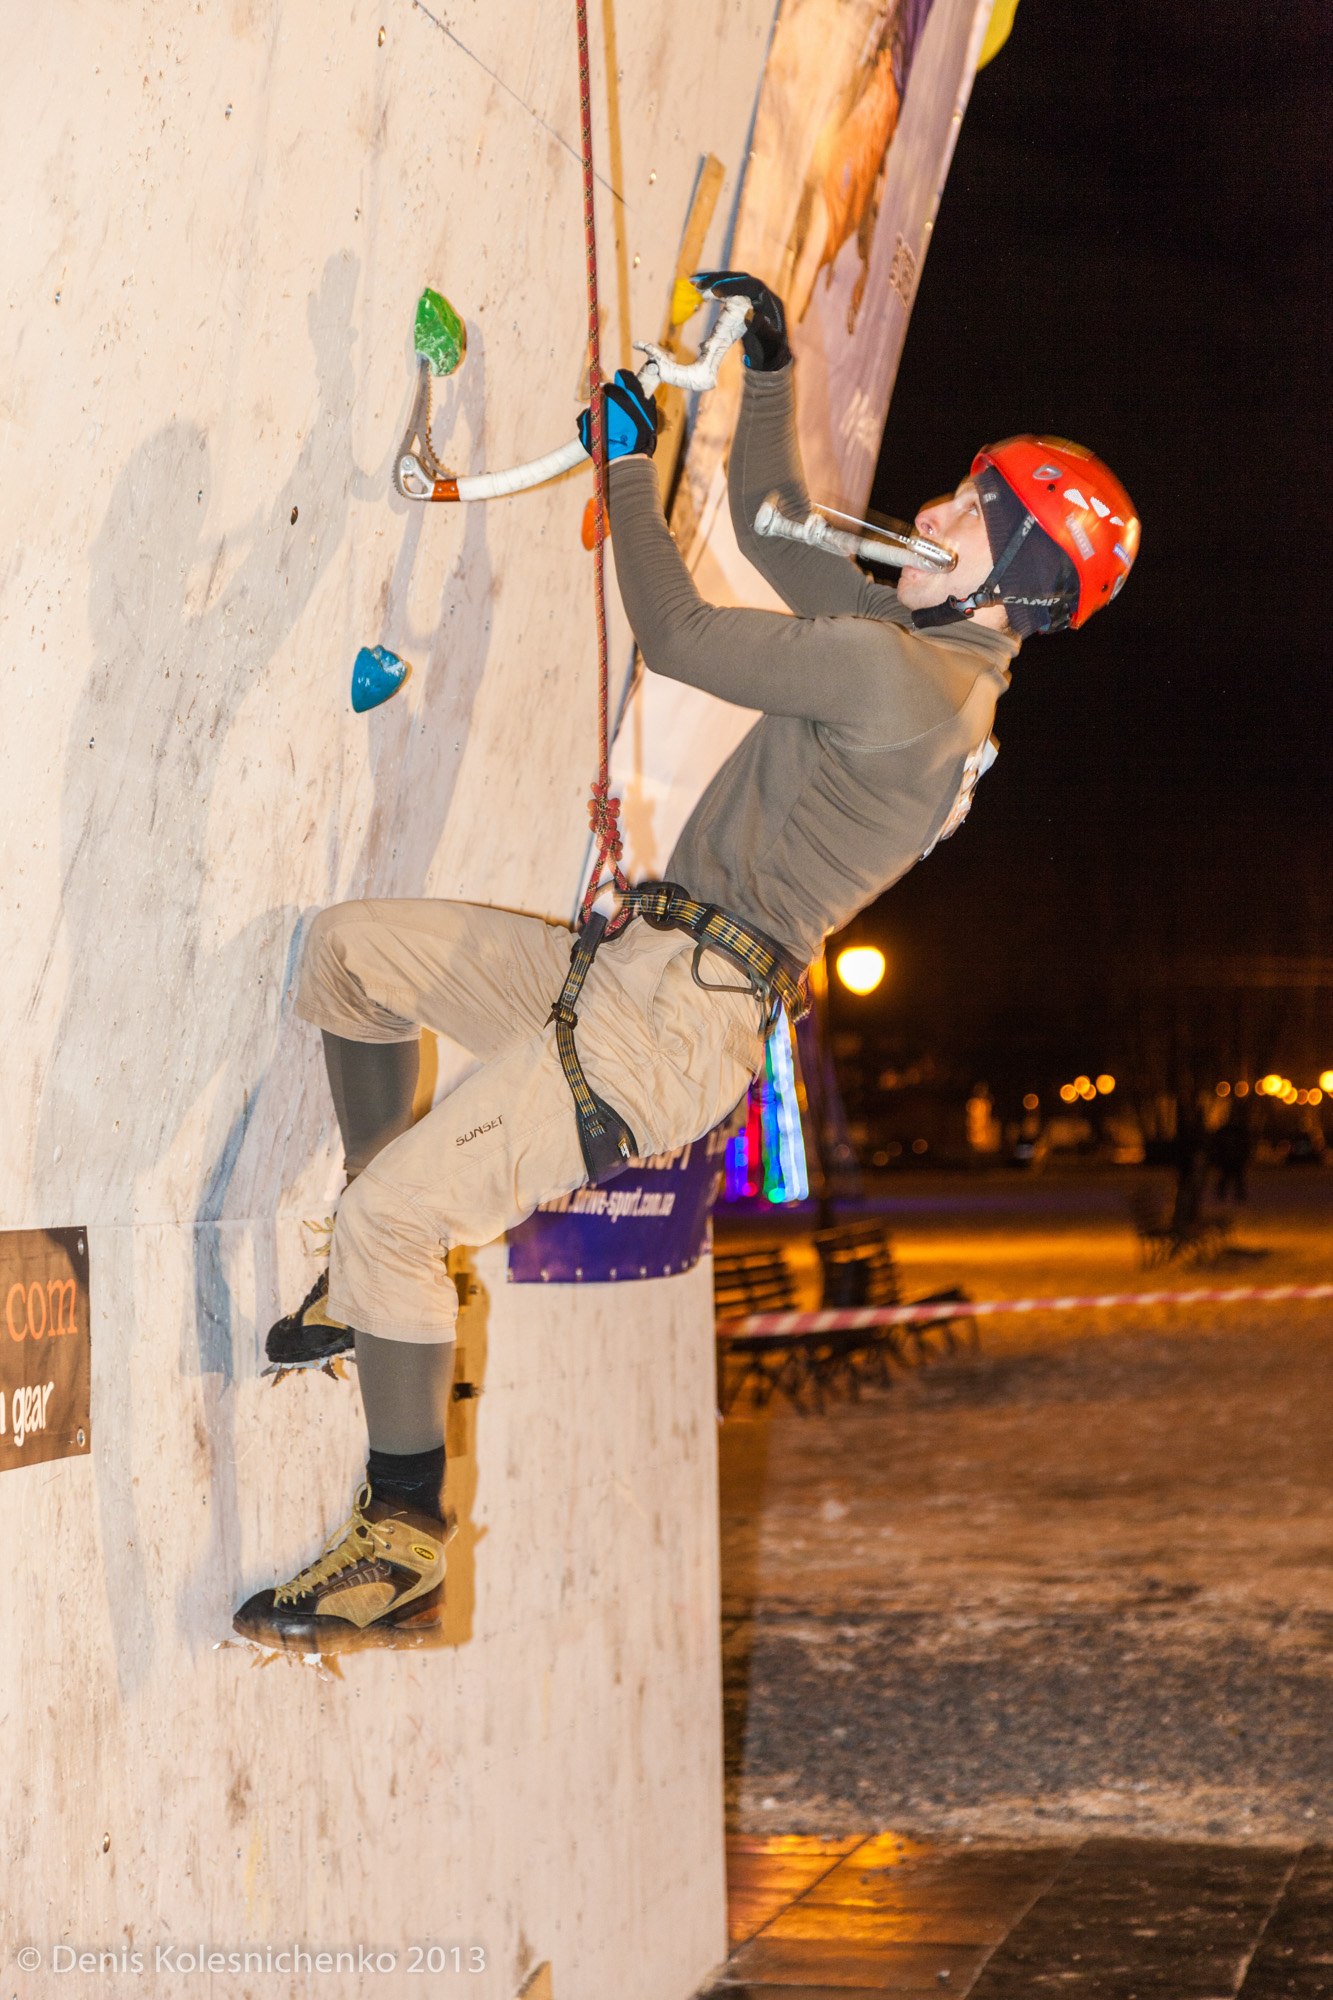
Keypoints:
pixel 308 1337
pixel 379 1582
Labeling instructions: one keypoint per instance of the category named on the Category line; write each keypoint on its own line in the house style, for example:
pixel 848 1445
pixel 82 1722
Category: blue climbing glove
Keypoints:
pixel 629 419
pixel 765 338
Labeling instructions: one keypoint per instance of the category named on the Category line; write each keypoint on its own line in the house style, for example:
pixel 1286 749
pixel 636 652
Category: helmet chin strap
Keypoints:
pixel 986 593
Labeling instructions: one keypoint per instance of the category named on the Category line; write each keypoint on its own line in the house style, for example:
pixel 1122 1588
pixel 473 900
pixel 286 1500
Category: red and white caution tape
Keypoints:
pixel 850 1318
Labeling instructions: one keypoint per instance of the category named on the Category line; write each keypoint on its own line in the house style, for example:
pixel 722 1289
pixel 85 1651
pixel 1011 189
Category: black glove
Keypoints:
pixel 765 337
pixel 629 419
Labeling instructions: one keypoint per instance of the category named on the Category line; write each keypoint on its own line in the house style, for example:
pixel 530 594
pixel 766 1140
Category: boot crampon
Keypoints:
pixel 379 1582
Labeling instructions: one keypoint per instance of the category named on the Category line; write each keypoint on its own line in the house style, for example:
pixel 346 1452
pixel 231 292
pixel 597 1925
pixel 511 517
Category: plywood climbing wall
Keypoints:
pixel 216 223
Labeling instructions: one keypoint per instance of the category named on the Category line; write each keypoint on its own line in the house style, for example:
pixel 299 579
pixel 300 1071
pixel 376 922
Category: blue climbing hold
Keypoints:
pixel 377 674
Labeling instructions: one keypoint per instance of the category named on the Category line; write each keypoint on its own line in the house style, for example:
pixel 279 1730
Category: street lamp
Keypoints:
pixel 860 967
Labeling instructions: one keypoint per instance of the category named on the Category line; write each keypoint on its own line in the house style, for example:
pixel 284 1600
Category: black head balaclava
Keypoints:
pixel 1039 588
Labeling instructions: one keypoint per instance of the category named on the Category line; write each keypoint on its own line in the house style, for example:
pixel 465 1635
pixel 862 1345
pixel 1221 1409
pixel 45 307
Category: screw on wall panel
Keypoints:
pixel 295 512
pixel 227 112
pixel 106 1843
pixel 381 38
pixel 80 1437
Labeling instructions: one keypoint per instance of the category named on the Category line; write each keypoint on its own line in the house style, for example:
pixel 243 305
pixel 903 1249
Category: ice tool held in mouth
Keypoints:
pixel 895 545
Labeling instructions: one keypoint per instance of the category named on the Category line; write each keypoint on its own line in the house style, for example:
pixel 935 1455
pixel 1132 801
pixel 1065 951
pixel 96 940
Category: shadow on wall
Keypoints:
pixel 157 1013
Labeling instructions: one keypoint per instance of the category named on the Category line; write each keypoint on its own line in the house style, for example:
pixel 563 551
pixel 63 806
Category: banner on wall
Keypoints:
pixel 650 1222
pixel 45 1349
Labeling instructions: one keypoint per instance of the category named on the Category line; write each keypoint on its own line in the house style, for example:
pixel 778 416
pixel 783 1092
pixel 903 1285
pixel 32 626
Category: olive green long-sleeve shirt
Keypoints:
pixel 871 733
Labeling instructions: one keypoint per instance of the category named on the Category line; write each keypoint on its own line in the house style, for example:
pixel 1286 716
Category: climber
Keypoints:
pixel 876 711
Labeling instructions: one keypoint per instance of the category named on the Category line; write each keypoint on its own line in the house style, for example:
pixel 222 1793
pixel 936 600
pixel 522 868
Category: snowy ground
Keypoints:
pixel 1082 1580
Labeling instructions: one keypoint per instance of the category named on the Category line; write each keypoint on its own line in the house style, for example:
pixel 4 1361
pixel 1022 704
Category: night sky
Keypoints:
pixel 1133 250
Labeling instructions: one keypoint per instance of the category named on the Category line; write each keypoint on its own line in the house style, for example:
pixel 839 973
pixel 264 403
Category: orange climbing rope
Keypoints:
pixel 603 810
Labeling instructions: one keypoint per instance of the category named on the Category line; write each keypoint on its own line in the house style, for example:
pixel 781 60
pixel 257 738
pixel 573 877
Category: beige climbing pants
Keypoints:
pixel 670 1057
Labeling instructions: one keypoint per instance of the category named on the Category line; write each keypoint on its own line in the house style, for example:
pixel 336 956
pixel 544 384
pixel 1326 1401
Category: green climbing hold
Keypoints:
pixel 441 336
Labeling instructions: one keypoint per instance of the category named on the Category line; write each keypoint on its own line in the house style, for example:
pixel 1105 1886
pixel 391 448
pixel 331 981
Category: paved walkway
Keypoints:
pixel 1077 1583
pixel 1096 1919
pixel 1062 1612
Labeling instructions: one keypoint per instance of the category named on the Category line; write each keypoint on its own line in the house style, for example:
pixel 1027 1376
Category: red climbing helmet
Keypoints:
pixel 1081 505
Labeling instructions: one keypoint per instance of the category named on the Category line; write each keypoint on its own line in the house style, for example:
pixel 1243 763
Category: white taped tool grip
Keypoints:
pixel 416 481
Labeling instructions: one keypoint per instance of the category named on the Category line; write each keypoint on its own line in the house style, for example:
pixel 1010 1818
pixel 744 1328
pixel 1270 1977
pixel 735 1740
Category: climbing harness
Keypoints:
pixel 772 975
pixel 419 474
pixel 606 1141
pixel 775 976
pixel 895 545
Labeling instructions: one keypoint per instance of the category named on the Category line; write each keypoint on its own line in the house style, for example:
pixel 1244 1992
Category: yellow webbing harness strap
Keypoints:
pixel 606 1141
pixel 667 906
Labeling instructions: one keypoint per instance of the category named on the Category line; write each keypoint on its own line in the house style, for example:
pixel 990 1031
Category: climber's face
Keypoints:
pixel 956 522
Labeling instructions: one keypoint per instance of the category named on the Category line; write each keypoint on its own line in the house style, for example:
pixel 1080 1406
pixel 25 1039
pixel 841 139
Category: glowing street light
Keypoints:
pixel 1105 1084
pixel 861 967
pixel 1326 1081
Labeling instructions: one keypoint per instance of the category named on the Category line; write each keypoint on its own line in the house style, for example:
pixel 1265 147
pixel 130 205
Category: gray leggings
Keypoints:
pixel 405 1385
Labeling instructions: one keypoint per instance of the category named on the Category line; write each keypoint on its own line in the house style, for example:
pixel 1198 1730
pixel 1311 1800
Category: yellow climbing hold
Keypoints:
pixel 686 300
pixel 997 31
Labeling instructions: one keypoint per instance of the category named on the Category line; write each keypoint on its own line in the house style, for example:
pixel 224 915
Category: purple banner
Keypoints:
pixel 650 1222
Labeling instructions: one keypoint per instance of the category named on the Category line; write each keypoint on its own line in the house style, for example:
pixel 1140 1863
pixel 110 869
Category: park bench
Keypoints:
pixel 758 1280
pixel 858 1269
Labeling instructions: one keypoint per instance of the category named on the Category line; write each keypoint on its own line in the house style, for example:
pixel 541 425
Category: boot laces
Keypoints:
pixel 358 1539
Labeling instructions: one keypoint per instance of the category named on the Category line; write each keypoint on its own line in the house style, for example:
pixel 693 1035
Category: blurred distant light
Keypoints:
pixel 1242 1090
pixel 1302 1097
pixel 1224 1089
pixel 1288 1093
pixel 1088 1091
pixel 920 1145
pixel 1326 1080
pixel 1316 1096
pixel 860 967
pixel 1271 1085
pixel 1105 1084
pixel 1082 1083
pixel 1031 1101
pixel 1067 1093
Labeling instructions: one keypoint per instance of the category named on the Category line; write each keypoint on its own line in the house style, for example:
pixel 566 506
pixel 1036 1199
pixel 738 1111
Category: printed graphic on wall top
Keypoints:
pixel 45 1351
